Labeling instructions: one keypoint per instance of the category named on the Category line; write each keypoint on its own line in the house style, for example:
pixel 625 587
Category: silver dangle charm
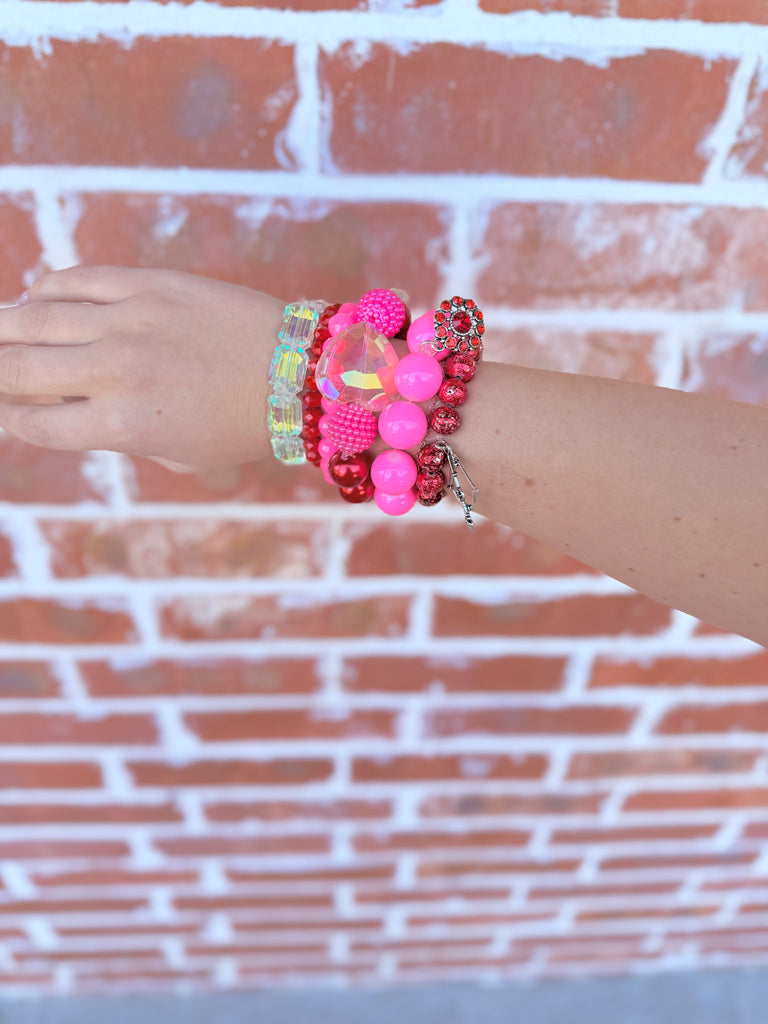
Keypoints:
pixel 455 484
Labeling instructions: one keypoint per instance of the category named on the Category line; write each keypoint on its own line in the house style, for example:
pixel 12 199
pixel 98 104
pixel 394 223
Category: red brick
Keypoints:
pixel 733 884
pixel 73 955
pixel 311 924
pixel 697 799
pixel 205 548
pixel 509 803
pixel 351 873
pixel 189 102
pixel 475 920
pixel 640 834
pixel 669 913
pixel 55 728
pixel 416 768
pixel 434 868
pixel 105 931
pixel 316 723
pixel 232 772
pixel 63 849
pixel 686 862
pixel 285 810
pixel 613 354
pixel 20 250
pixel 418 549
pixel 337 250
pixel 617 763
pixel 202 677
pixel 511 674
pixel 94 906
pixel 39 620
pixel 751 670
pixel 24 679
pixel 420 895
pixel 757 830
pixel 242 616
pixel 246 846
pixel 424 839
pixel 8 567
pixel 49 775
pixel 571 616
pixel 44 475
pixel 414 945
pixel 701 10
pixel 556 255
pixel 110 879
pixel 729 365
pixel 579 892
pixel 241 902
pixel 270 951
pixel 577 720
pixel 96 814
pixel 710 718
pixel 642 117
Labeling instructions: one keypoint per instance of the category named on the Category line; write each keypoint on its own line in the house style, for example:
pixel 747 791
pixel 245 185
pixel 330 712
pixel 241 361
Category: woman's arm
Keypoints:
pixel 664 490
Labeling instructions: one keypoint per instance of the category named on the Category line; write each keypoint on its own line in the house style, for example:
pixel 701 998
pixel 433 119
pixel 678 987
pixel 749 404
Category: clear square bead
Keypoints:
pixel 285 412
pixel 288 369
pixel 289 450
pixel 299 323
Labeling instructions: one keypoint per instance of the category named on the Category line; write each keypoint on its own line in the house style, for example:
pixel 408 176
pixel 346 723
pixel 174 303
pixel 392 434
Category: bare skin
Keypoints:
pixel 663 490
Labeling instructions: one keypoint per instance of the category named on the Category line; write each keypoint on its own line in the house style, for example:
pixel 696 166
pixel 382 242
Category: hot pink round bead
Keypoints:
pixel 421 335
pixel 393 472
pixel 402 425
pixel 326 448
pixel 346 316
pixel 351 427
pixel 383 309
pixel 394 504
pixel 418 377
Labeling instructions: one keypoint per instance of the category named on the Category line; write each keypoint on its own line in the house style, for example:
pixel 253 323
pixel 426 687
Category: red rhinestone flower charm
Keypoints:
pixel 459 326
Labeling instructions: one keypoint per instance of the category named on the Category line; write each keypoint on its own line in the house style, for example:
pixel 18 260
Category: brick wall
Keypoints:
pixel 253 737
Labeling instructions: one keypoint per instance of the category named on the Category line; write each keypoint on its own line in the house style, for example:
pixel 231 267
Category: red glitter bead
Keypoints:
pixel 460 367
pixel 430 499
pixel 348 471
pixel 311 417
pixel 311 399
pixel 431 456
pixel 453 390
pixel 358 494
pixel 429 482
pixel 444 420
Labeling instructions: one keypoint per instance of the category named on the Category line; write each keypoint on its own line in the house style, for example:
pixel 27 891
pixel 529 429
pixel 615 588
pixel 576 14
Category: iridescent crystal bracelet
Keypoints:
pixel 286 379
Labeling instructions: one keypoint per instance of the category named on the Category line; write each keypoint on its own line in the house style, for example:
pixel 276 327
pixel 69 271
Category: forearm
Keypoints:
pixel 664 490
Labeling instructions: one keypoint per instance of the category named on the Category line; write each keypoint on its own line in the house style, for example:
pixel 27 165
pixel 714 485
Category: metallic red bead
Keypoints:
pixel 349 471
pixel 444 420
pixel 453 390
pixel 460 367
pixel 356 495
pixel 429 499
pixel 429 482
pixel 312 399
pixel 430 457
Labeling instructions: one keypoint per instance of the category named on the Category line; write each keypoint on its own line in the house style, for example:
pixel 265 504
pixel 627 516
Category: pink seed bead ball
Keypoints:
pixel 384 309
pixel 402 425
pixel 393 472
pixel 418 377
pixel 395 504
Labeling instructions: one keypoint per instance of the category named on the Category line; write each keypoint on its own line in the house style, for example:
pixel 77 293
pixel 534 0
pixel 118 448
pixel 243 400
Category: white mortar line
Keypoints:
pixel 725 133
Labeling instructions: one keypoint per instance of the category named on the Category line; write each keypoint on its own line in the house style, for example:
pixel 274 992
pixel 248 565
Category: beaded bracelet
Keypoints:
pixel 287 375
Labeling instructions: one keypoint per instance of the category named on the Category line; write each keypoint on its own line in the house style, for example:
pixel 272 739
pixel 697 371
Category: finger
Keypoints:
pixel 67 427
pixel 47 370
pixel 52 323
pixel 93 284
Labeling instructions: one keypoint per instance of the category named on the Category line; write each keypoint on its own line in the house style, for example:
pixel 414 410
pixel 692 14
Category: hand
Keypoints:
pixel 156 363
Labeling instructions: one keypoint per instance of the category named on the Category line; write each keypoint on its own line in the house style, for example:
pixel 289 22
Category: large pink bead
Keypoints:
pixel 418 377
pixel 393 472
pixel 327 448
pixel 346 316
pixel 358 365
pixel 394 504
pixel 421 335
pixel 402 425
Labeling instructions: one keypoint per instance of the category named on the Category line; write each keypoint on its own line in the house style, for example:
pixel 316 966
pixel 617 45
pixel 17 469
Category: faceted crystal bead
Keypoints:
pixel 299 323
pixel 358 365
pixel 285 415
pixel 289 450
pixel 288 369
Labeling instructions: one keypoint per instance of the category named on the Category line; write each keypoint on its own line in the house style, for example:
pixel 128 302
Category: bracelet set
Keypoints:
pixel 337 384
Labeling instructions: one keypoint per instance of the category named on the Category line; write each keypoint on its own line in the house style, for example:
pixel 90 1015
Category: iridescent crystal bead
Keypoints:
pixel 358 365
pixel 289 450
pixel 288 369
pixel 299 323
pixel 285 415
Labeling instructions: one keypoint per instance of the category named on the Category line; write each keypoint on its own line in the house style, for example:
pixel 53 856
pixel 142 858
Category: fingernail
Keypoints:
pixel 23 299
